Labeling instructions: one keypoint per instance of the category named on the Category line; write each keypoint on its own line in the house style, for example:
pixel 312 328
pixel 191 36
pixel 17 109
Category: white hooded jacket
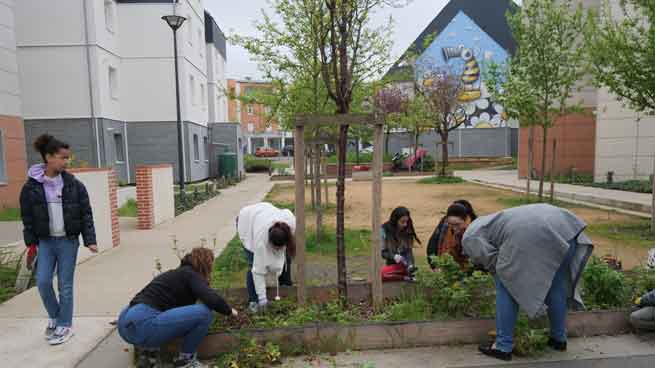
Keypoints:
pixel 253 225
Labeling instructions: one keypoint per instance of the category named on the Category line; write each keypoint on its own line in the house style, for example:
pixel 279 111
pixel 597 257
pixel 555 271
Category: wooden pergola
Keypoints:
pixel 303 121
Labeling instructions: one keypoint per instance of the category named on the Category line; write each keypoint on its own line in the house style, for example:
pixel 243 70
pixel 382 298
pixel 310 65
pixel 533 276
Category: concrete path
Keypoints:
pixel 11 232
pixel 597 352
pixel 104 284
pixel 508 179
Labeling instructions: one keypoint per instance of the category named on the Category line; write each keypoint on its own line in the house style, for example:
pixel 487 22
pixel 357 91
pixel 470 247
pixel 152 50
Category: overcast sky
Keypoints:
pixel 238 16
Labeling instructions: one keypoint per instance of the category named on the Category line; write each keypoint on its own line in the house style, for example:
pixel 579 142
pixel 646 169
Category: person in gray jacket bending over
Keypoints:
pixel 537 254
pixel 644 317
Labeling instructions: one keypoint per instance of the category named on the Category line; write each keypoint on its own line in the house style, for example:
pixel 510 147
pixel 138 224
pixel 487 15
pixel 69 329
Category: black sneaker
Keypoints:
pixel 557 345
pixel 488 350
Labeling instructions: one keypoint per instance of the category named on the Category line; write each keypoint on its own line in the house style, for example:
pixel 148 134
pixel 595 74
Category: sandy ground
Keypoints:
pixel 428 203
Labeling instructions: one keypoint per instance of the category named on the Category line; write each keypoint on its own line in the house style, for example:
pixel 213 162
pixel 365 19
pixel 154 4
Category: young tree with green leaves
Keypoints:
pixel 621 49
pixel 548 63
pixel 389 101
pixel 333 44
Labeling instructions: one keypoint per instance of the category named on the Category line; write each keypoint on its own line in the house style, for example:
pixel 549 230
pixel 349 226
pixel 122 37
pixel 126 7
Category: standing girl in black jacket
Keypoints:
pixel 55 210
pixel 166 309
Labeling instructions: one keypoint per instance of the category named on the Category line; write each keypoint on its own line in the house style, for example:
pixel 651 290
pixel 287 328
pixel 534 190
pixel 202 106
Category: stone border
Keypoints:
pixel 328 337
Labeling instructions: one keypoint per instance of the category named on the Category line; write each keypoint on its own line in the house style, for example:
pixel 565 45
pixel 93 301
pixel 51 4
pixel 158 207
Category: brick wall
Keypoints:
pixel 145 215
pixel 15 157
pixel 155 195
pixel 576 145
pixel 101 183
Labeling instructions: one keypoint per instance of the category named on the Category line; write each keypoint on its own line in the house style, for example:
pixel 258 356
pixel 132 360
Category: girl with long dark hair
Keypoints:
pixel 398 236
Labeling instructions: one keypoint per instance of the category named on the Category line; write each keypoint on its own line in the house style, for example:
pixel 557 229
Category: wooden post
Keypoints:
pixel 552 173
pixel 319 205
pixel 325 181
pixel 376 241
pixel 652 213
pixel 312 176
pixel 299 154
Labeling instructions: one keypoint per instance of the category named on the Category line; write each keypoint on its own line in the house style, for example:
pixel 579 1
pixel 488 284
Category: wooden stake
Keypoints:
pixel 652 213
pixel 376 241
pixel 552 173
pixel 299 153
pixel 325 181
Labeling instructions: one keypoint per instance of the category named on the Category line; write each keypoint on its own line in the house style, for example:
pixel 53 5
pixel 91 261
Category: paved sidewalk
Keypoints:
pixel 625 351
pixel 628 201
pixel 104 284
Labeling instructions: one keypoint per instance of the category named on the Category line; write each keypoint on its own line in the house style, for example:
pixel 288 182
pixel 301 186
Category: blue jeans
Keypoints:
pixel 60 253
pixel 283 279
pixel 148 328
pixel 507 309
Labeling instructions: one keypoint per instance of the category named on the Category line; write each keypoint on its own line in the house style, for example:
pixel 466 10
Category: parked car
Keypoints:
pixel 287 151
pixel 266 152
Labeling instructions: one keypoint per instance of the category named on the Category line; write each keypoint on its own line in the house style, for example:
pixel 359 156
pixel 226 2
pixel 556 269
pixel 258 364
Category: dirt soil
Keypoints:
pixel 428 203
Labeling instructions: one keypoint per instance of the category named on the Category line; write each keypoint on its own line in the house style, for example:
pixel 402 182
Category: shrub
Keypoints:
pixel 604 287
pixel 442 180
pixel 251 354
pixel 129 209
pixel 428 163
pixel 254 164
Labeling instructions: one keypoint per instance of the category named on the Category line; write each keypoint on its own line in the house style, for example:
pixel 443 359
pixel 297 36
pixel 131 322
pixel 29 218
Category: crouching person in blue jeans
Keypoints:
pixel 536 254
pixel 166 309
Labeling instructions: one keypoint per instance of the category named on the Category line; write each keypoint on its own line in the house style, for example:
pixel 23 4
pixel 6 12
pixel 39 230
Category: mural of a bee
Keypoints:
pixel 470 75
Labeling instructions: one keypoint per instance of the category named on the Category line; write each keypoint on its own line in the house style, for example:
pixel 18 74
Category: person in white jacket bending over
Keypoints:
pixel 267 235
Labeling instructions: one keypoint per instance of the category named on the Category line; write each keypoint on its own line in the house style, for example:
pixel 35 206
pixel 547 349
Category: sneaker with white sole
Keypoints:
pixel 189 363
pixel 50 329
pixel 61 335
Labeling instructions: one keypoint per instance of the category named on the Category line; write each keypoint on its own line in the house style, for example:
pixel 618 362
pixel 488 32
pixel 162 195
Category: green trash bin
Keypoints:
pixel 227 165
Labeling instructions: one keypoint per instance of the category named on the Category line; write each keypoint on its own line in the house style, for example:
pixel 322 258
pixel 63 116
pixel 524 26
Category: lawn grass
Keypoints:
pixel 279 165
pixel 230 267
pixel 632 233
pixel 442 180
pixel 129 209
pixel 10 214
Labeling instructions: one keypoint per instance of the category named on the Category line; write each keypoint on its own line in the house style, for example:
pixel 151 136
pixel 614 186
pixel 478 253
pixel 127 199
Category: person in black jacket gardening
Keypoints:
pixel 166 309
pixel 55 210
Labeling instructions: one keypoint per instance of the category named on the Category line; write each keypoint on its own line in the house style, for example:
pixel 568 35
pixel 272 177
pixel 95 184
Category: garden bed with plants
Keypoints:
pixel 201 193
pixel 444 307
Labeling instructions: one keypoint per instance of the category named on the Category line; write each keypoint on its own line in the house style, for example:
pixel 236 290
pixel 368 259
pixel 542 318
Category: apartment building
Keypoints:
pixel 259 129
pixel 100 75
pixel 13 165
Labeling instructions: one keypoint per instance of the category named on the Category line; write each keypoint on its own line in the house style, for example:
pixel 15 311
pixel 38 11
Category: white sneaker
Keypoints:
pixel 50 329
pixel 61 335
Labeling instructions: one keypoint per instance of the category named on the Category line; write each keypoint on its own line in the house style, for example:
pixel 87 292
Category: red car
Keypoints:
pixel 266 152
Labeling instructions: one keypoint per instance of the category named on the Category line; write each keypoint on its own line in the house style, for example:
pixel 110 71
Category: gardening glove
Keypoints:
pixel 638 301
pixel 31 256
pixel 399 259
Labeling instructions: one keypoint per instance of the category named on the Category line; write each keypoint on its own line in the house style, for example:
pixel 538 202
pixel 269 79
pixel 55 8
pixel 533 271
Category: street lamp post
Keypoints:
pixel 175 22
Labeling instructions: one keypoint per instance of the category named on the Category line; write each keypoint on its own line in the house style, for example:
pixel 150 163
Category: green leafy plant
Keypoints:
pixel 255 164
pixel 603 287
pixel 251 354
pixel 10 214
pixel 529 341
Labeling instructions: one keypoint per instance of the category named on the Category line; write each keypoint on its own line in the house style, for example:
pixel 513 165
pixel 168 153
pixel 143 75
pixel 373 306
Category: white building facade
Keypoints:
pixel 100 75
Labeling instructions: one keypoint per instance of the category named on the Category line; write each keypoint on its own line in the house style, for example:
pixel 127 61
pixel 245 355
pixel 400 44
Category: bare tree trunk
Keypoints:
pixel 319 206
pixel 544 150
pixel 325 181
pixel 386 141
pixel 341 195
pixel 552 172
pixel 312 179
pixel 357 150
pixel 444 152
pixel 530 158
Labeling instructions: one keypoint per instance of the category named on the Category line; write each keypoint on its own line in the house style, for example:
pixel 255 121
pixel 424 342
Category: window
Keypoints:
pixel 205 142
pixel 3 171
pixel 251 127
pixel 110 15
pixel 192 89
pixel 250 110
pixel 196 148
pixel 203 97
pixel 113 83
pixel 119 146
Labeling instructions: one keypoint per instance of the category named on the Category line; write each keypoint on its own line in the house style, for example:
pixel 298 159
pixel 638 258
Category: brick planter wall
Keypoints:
pixel 329 337
pixel 154 195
